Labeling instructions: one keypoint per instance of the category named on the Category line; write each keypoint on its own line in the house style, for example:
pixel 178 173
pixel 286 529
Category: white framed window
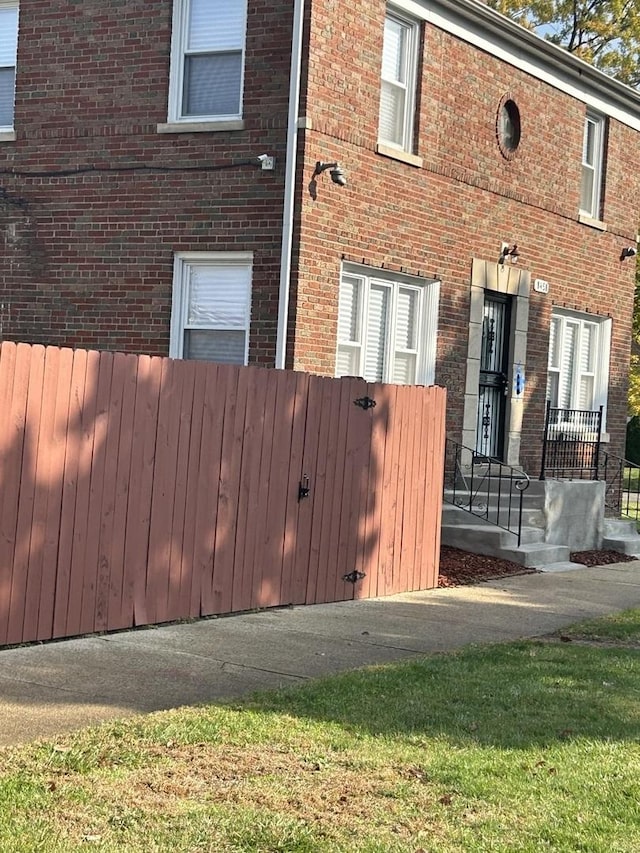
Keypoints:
pixel 387 327
pixel 207 60
pixel 592 165
pixel 399 76
pixel 8 55
pixel 211 306
pixel 578 373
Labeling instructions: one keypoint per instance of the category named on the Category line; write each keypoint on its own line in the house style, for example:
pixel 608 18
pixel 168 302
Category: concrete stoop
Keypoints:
pixel 557 517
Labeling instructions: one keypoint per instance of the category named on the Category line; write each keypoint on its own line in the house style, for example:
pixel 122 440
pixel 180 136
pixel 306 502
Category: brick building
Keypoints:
pixel 450 198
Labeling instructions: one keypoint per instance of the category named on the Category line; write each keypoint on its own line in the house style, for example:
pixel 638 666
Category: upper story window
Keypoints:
pixel 8 52
pixel 592 165
pixel 387 327
pixel 211 306
pixel 207 60
pixel 399 76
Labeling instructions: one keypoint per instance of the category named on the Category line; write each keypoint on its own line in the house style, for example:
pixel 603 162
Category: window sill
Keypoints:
pixel 592 223
pixel 200 126
pixel 7 136
pixel 397 154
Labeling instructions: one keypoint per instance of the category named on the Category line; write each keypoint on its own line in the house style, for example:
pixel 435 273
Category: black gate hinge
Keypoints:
pixel 365 403
pixel 354 577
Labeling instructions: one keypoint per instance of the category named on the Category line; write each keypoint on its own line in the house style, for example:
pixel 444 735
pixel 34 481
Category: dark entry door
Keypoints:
pixel 494 369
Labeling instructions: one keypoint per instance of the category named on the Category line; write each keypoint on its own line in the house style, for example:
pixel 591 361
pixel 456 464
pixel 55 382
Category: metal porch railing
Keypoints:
pixel 484 487
pixel 571 443
pixel 622 493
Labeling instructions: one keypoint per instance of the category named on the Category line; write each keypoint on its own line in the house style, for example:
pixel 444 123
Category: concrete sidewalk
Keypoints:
pixel 62 686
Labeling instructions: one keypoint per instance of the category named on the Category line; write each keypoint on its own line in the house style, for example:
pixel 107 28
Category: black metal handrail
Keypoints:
pixel 622 479
pixel 571 443
pixel 484 487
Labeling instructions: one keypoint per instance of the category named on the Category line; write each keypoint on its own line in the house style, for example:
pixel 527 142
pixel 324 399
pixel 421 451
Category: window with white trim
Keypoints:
pixel 398 84
pixel 211 306
pixel 579 346
pixel 8 54
pixel 387 326
pixel 592 165
pixel 207 60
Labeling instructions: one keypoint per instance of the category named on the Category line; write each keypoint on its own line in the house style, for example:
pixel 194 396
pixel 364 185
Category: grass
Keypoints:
pixel 527 746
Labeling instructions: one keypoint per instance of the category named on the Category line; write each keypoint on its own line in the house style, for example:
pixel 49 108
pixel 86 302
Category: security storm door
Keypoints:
pixel 494 369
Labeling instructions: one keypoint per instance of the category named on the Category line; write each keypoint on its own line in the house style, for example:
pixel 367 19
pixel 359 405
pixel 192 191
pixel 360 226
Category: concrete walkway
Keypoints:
pixel 62 686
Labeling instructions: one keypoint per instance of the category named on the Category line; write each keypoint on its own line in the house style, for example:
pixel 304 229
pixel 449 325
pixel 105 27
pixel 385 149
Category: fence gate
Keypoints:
pixel 139 490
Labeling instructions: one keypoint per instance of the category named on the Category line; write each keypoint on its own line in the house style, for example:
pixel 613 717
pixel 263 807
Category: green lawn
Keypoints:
pixel 527 746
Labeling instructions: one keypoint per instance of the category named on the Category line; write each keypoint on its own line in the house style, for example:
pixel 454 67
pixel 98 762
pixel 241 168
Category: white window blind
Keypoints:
pixel 208 59
pixel 397 89
pixel 8 54
pixel 211 307
pixel 578 369
pixel 387 328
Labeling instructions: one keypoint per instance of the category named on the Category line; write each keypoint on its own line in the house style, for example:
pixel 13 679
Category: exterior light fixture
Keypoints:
pixel 337 175
pixel 509 253
pixel 628 252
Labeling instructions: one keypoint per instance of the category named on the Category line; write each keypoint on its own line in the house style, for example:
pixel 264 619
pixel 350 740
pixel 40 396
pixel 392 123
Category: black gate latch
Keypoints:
pixel 354 577
pixel 303 488
pixel 365 403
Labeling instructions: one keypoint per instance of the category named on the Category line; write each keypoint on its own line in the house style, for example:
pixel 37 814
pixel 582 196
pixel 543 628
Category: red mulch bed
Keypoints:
pixel 458 568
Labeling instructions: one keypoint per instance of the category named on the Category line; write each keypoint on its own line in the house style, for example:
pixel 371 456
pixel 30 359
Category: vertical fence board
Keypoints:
pixel 190 579
pixel 278 478
pixel 57 450
pixel 325 470
pixel 262 504
pixel 436 453
pixel 120 604
pixel 179 573
pixel 71 424
pixel 23 623
pixel 81 511
pixel 144 458
pixel 208 486
pixel 288 584
pixel 106 570
pixel 228 496
pixel 249 491
pixel 403 516
pixel 307 506
pixel 96 493
pixel 8 478
pixel 389 494
pixel 43 416
pixel 420 490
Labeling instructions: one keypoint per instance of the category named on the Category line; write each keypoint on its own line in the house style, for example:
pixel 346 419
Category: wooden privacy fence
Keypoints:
pixel 139 490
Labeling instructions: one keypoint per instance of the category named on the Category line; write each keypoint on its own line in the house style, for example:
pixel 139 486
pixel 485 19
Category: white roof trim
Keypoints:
pixel 474 22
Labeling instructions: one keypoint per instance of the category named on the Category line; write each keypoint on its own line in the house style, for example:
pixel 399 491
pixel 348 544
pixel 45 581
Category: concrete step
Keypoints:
pixel 619 527
pixel 629 545
pixel 563 566
pixel 536 555
pixel 531 516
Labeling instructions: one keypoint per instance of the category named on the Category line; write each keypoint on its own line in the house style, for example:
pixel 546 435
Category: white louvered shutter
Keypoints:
pixel 406 336
pixel 568 366
pixel 377 321
pixel 8 51
pixel 349 323
pixel 214 58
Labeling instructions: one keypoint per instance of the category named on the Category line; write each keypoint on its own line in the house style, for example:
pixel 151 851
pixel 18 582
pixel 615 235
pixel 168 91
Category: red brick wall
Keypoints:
pixel 464 201
pixel 87 260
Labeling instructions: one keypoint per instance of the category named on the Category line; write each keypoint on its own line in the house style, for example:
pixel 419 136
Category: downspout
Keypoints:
pixel 289 183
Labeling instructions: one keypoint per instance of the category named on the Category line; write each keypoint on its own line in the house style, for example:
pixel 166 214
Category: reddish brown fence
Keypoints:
pixel 138 490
